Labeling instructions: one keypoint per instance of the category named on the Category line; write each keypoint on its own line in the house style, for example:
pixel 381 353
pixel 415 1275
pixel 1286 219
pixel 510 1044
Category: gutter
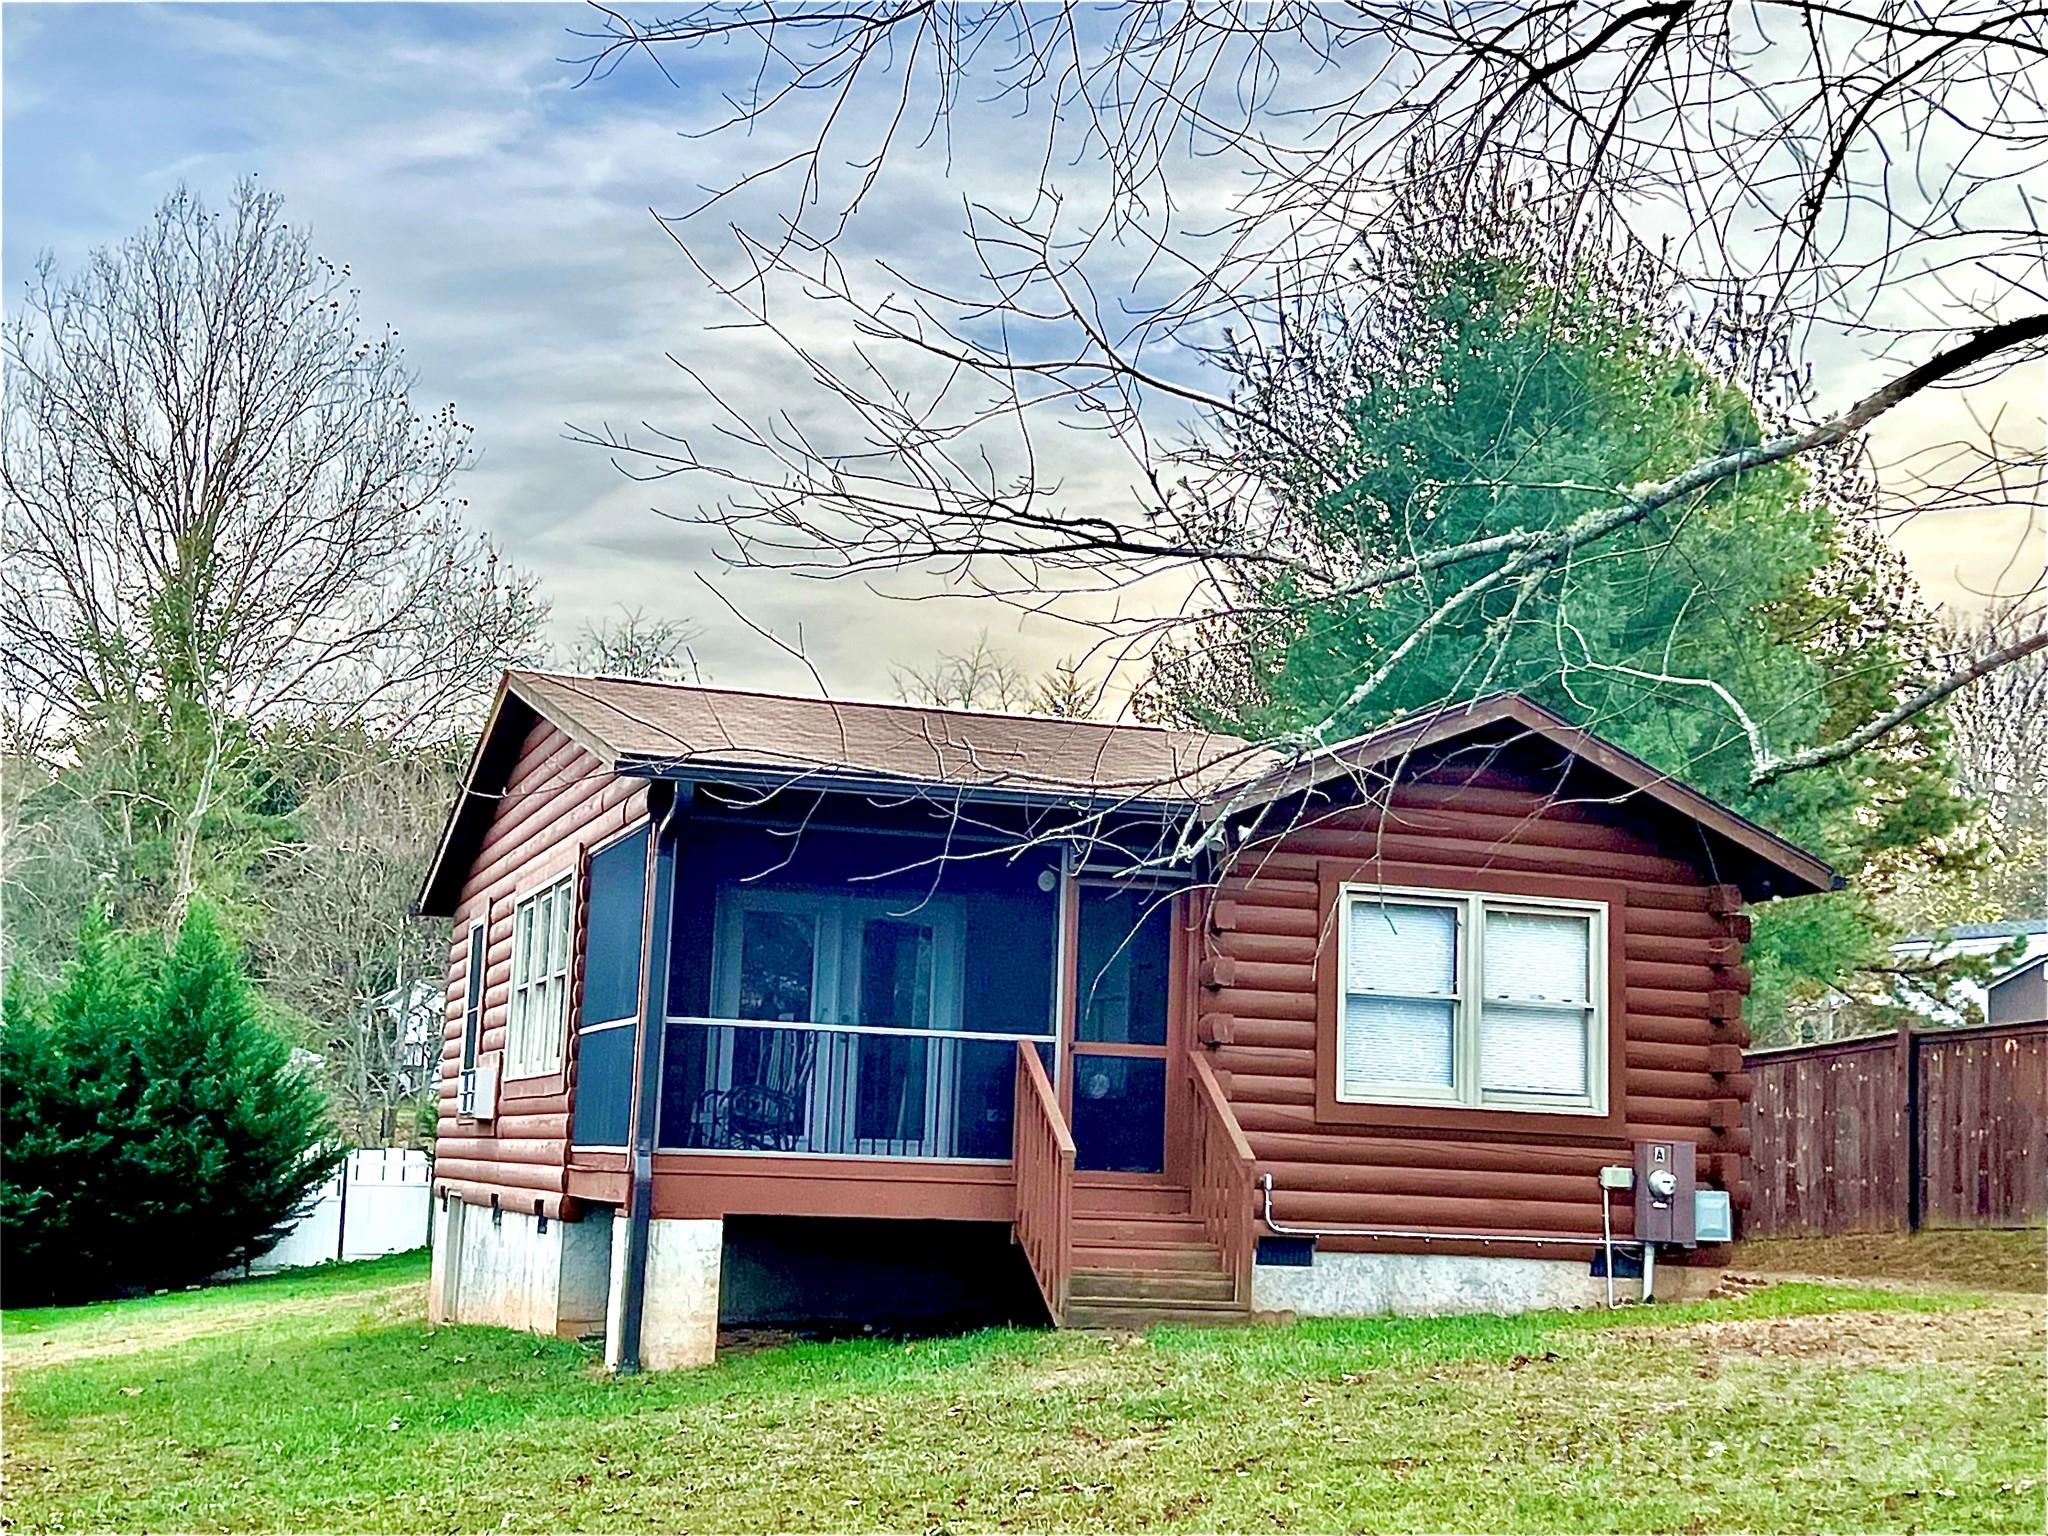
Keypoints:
pixel 699 771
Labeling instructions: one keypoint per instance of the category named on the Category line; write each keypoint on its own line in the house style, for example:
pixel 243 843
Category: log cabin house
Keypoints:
pixel 765 1008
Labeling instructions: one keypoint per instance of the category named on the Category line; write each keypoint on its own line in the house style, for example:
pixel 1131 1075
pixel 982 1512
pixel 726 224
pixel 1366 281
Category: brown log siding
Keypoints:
pixel 558 803
pixel 1676 1019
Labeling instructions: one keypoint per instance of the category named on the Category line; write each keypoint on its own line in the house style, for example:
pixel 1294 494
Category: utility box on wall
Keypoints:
pixel 1666 1179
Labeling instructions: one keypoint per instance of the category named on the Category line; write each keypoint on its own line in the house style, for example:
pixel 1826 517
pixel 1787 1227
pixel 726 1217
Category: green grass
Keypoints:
pixel 331 1406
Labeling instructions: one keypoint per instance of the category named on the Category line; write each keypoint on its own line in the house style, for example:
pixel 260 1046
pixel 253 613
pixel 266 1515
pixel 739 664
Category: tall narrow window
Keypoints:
pixel 473 992
pixel 1484 1001
pixel 540 980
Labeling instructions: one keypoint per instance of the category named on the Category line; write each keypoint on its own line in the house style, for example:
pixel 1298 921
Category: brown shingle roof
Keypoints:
pixel 638 724
pixel 655 728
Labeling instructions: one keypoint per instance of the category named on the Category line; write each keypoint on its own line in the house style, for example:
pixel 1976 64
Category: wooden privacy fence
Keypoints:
pixel 1920 1128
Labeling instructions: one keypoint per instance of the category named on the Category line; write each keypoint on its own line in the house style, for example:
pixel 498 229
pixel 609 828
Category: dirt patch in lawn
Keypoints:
pixel 1976 1260
pixel 30 1348
pixel 1986 1336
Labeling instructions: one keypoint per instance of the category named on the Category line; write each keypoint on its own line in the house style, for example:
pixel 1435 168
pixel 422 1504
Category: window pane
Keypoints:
pixel 1119 1113
pixel 1391 1041
pixel 1533 1050
pixel 896 973
pixel 565 926
pixel 1125 952
pixel 889 1088
pixel 1395 947
pixel 778 954
pixel 1538 956
pixel 522 945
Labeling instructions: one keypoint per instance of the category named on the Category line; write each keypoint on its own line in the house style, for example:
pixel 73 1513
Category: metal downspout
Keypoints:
pixel 654 946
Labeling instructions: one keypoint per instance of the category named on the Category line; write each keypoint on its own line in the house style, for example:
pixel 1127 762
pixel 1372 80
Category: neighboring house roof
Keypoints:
pixel 2016 928
pixel 656 730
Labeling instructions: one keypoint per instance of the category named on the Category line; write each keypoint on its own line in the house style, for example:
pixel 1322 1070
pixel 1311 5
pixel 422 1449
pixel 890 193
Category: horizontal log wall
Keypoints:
pixel 558 803
pixel 1680 1025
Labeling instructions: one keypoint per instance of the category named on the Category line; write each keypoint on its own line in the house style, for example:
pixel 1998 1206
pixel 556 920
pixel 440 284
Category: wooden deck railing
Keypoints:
pixel 1222 1176
pixel 1044 1159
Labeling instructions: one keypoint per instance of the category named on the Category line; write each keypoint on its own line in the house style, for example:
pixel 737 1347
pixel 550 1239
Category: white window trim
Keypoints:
pixel 534 1046
pixel 1466 1092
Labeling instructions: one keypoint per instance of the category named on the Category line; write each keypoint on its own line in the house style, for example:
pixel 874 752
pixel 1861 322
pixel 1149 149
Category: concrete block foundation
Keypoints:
pixel 508 1269
pixel 567 1279
pixel 1428 1285
pixel 679 1312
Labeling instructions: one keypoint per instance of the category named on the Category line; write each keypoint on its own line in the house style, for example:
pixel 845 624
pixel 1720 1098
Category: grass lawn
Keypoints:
pixel 323 1401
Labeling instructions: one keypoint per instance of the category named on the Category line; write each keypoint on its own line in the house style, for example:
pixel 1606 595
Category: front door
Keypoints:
pixel 1124 948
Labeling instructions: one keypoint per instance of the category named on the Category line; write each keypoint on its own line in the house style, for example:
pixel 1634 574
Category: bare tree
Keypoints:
pixel 338 945
pixel 2000 735
pixel 222 509
pixel 1811 181
pixel 982 677
pixel 634 645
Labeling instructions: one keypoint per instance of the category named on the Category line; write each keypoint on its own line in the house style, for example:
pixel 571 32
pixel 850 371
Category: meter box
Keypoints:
pixel 1713 1219
pixel 1666 1181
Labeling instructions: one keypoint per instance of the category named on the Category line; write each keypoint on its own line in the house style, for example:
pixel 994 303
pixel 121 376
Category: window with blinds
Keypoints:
pixel 1482 1001
pixel 540 980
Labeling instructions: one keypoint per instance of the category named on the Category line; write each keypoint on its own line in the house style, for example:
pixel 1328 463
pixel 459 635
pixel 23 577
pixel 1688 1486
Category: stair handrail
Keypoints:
pixel 1043 1156
pixel 1222 1175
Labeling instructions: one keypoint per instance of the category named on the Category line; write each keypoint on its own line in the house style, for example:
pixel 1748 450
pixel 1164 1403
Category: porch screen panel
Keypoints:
pixel 825 1002
pixel 617 899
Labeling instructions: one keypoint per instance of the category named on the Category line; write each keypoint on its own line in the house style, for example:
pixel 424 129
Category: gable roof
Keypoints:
pixel 1772 865
pixel 671 730
pixel 2019 970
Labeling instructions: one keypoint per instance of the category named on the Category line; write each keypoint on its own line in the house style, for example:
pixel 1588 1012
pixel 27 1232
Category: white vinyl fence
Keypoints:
pixel 379 1202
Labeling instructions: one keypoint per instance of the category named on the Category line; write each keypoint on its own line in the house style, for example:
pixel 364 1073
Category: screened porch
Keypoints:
pixel 856 994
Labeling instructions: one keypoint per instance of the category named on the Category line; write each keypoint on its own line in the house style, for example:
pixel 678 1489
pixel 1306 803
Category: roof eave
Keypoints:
pixel 794 777
pixel 434 900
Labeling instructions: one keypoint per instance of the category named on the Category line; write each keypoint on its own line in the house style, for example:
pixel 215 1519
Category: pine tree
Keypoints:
pixel 1491 397
pixel 157 1130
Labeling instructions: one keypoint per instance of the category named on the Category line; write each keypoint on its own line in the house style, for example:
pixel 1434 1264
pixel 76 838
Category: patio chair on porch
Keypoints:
pixel 767 1106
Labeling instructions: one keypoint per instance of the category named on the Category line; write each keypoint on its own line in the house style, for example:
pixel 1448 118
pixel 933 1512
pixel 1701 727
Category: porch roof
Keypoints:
pixel 653 728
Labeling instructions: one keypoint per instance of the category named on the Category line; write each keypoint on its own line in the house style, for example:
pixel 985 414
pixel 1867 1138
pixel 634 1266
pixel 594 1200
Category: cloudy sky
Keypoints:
pixel 499 215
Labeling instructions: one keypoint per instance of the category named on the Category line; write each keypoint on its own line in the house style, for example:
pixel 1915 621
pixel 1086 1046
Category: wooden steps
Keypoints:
pixel 1141 1257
